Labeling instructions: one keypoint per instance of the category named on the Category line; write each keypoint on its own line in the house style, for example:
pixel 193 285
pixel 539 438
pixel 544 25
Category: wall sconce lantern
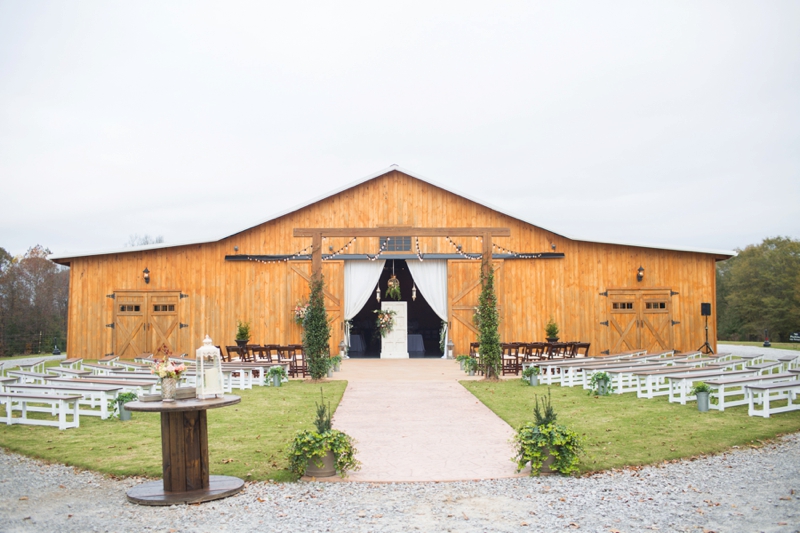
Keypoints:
pixel 378 293
pixel 414 292
pixel 146 274
pixel 640 274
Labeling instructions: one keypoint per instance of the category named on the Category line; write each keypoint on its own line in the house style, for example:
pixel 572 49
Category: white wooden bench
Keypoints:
pixel 133 365
pixel 26 376
pixel 5 382
pixel 725 388
pixel 72 362
pixel 69 371
pixel 552 370
pixel 138 387
pixel 92 397
pixel 764 393
pixel 681 384
pixel 101 370
pixel 144 358
pixel 767 367
pixel 62 404
pixel 107 359
pixel 34 365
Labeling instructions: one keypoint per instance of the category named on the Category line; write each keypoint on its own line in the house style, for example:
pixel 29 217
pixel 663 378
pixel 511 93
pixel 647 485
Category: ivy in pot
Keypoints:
pixel 600 384
pixel 529 373
pixel 120 401
pixel 471 365
pixel 336 362
pixel 278 372
pixel 461 360
pixel 537 442
pixel 315 445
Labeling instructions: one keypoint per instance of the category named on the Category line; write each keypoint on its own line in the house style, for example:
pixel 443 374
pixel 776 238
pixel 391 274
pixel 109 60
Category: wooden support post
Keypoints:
pixel 316 254
pixel 487 251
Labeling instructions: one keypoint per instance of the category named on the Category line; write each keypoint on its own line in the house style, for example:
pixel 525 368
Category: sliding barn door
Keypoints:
pixel 145 322
pixel 640 319
pixel 299 273
pixel 463 292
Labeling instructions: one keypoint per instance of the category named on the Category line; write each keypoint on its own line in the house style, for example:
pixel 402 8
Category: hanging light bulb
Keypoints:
pixel 414 292
pixel 378 293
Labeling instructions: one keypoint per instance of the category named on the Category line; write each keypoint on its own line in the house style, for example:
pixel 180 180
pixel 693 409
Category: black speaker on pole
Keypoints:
pixel 705 310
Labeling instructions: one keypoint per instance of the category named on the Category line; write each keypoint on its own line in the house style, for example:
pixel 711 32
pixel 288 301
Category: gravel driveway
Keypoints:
pixel 744 491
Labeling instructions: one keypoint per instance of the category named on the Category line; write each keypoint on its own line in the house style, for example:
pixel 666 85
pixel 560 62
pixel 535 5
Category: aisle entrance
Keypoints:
pixel 423 324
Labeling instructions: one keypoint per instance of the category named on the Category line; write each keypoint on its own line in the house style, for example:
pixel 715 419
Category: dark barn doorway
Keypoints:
pixel 421 318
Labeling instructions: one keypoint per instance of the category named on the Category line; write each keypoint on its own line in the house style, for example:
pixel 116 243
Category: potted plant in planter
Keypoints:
pixel 531 375
pixel 277 374
pixel 600 384
pixel 242 333
pixel 336 363
pixel 461 360
pixel 547 446
pixel 121 400
pixel 323 452
pixel 470 365
pixel 701 391
pixel 551 330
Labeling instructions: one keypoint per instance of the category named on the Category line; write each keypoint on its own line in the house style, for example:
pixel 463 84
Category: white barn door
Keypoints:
pixel 395 344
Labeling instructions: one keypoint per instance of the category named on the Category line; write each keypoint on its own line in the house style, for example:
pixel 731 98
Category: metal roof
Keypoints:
pixel 365 179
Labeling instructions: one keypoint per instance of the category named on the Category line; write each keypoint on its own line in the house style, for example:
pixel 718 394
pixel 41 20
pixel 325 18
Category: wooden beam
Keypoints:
pixel 316 253
pixel 402 231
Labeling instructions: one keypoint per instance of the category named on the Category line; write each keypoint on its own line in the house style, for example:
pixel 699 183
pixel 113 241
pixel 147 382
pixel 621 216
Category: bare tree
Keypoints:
pixel 33 301
pixel 136 240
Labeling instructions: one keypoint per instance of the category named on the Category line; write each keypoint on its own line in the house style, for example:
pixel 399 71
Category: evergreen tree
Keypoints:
pixel 316 330
pixel 488 336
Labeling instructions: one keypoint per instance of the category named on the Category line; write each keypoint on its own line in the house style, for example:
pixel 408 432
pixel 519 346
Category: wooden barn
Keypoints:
pixel 392 223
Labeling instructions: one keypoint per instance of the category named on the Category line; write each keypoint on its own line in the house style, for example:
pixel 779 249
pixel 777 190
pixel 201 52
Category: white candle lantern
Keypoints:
pixel 209 371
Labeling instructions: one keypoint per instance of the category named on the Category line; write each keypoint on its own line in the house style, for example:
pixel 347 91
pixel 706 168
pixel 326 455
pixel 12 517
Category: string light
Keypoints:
pixel 383 247
pixel 457 248
pixel 419 252
pixel 284 260
pixel 517 254
pixel 339 251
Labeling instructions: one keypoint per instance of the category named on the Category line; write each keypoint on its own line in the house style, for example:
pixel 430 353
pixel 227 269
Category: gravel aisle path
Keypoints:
pixel 743 491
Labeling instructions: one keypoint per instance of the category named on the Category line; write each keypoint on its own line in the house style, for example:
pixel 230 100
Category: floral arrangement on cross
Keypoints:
pixel 300 311
pixel 385 320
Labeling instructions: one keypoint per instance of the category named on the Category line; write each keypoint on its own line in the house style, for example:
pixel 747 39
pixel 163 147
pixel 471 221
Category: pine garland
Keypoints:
pixel 316 330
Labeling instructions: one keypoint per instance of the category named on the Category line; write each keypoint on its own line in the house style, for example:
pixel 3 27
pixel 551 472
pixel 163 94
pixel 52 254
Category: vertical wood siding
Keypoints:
pixel 220 292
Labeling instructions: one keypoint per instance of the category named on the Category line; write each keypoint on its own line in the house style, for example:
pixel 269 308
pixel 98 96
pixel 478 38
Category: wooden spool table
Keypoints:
pixel 184 451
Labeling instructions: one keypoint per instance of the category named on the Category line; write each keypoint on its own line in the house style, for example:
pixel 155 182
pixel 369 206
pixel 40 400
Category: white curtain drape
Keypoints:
pixel 431 279
pixel 360 278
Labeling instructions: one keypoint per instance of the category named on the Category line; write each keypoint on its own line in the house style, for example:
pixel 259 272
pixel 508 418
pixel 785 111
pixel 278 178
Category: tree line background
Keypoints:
pixel 34 293
pixel 759 290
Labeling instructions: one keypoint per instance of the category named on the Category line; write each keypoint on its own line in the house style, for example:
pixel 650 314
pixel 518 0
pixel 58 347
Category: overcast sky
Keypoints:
pixel 674 123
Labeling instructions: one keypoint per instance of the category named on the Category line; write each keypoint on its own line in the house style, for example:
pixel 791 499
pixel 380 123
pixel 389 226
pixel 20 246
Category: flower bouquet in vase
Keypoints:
pixel 170 373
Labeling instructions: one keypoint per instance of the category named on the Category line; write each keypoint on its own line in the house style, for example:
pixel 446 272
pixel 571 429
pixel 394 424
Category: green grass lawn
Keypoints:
pixel 244 440
pixel 623 430
pixel 779 345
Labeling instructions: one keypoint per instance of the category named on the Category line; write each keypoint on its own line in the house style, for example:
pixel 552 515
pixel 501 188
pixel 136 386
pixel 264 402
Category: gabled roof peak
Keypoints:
pixel 391 168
